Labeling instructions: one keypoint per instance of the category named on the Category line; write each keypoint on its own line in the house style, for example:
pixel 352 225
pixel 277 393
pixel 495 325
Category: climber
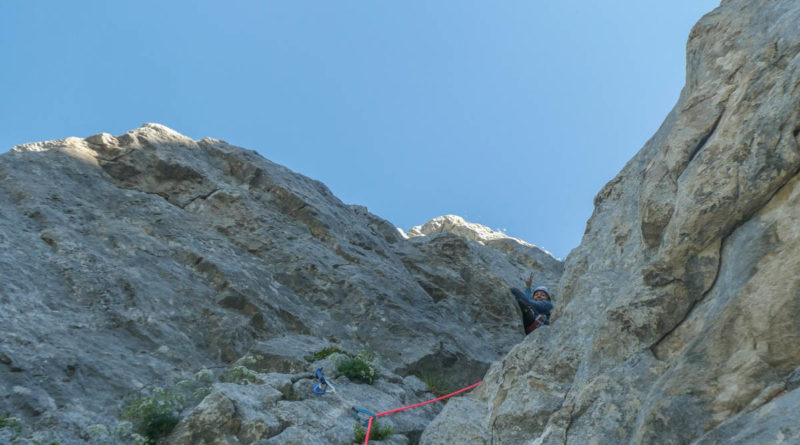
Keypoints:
pixel 536 310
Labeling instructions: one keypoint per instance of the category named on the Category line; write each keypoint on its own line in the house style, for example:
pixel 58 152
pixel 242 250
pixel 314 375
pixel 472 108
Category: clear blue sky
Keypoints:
pixel 512 114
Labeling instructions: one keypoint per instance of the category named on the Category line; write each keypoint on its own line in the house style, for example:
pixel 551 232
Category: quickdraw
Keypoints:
pixel 322 385
pixel 357 410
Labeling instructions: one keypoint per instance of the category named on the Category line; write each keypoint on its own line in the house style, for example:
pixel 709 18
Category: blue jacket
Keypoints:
pixel 542 307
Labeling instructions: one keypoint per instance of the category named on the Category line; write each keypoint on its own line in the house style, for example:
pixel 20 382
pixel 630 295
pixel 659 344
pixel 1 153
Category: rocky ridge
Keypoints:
pixel 150 260
pixel 678 313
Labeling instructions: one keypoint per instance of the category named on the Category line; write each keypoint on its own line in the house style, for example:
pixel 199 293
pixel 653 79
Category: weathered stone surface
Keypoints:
pixel 678 312
pixel 454 271
pixel 259 413
pixel 477 232
pixel 132 262
pixel 768 424
pixel 522 255
pixel 233 414
pixel 463 427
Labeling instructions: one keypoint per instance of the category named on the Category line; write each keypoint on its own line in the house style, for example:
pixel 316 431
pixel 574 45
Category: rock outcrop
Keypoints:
pixel 141 261
pixel 152 260
pixel 678 313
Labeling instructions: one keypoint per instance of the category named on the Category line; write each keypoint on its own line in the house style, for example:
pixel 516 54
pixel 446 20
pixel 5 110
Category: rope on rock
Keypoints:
pixel 375 416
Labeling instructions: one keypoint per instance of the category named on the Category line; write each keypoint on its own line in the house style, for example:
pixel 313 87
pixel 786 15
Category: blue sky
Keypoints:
pixel 512 114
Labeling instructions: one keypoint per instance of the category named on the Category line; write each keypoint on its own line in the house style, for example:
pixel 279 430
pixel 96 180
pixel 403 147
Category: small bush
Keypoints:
pixel 358 368
pixel 241 376
pixel 12 423
pixel 10 427
pixel 154 416
pixel 198 387
pixel 375 433
pixel 324 353
pixel 436 383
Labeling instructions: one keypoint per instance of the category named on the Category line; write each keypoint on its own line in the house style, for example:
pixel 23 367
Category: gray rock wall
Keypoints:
pixel 679 311
pixel 133 262
pixel 136 261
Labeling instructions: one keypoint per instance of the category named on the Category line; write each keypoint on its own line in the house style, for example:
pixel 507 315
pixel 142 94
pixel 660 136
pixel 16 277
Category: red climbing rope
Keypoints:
pixel 369 425
pixel 369 428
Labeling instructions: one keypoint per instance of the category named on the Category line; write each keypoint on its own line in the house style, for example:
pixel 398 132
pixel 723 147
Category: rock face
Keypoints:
pixel 141 261
pixel 678 313
pixel 150 259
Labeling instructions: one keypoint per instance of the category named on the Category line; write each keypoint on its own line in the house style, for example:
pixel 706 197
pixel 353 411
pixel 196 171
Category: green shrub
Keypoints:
pixel 10 427
pixel 358 368
pixel 324 353
pixel 375 433
pixel 241 376
pixel 198 387
pixel 148 418
pixel 437 384
pixel 154 416
pixel 12 423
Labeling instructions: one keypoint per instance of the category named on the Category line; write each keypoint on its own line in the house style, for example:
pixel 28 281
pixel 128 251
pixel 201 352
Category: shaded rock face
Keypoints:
pixel 132 262
pixel 678 315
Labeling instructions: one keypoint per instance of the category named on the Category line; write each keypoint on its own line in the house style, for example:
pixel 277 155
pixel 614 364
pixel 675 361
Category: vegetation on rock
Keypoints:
pixel 241 376
pixel 358 368
pixel 437 384
pixel 325 353
pixel 10 426
pixel 155 415
pixel 377 432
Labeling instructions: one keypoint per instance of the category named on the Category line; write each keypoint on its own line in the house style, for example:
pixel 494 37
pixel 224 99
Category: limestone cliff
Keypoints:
pixel 678 316
pixel 151 260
